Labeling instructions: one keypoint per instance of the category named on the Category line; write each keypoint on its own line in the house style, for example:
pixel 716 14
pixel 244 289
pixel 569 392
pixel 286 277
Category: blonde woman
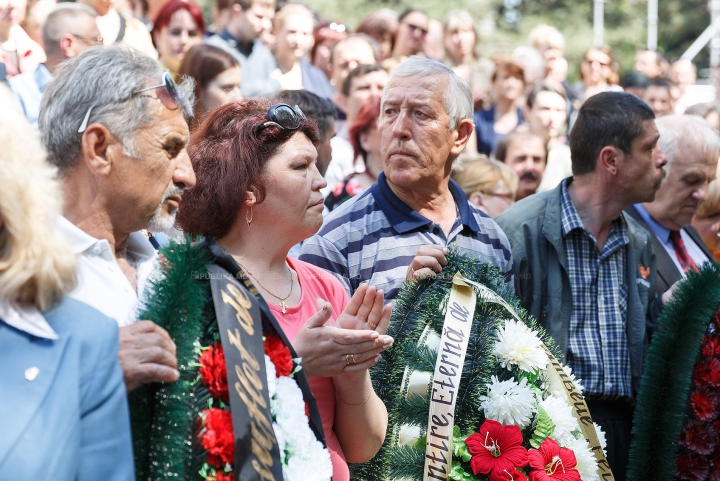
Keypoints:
pixel 707 218
pixel 488 184
pixel 63 407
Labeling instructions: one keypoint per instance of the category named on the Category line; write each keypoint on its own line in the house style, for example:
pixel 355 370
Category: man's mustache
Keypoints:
pixel 529 176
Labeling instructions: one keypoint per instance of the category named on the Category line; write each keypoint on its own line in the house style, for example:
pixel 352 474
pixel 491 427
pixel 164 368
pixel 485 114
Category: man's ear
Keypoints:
pixel 66 44
pixel 609 158
pixel 99 148
pixel 462 133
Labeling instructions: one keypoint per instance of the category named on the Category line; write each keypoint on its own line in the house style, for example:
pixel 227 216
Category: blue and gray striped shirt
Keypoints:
pixel 375 236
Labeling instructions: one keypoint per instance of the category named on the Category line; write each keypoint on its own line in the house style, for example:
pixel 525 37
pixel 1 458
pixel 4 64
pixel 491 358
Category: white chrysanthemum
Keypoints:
pixel 586 463
pixel 314 465
pixel 271 375
pixel 290 415
pixel 280 437
pixel 555 383
pixel 508 402
pixel 520 346
pixel 601 438
pixel 562 417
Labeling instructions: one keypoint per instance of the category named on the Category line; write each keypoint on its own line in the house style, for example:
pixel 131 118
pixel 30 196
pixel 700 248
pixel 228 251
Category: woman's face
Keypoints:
pixel 322 57
pixel 293 204
pixel 177 38
pixel 224 88
pixel 370 142
pixel 460 43
pixel 508 86
pixel 596 67
pixel 709 228
pixel 495 202
pixel 295 37
pixel 411 34
pixel 8 14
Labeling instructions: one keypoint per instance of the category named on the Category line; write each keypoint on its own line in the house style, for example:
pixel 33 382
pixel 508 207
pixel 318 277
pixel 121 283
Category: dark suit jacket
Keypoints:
pixel 667 271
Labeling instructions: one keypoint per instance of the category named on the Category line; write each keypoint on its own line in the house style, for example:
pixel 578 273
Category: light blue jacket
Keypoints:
pixel 71 421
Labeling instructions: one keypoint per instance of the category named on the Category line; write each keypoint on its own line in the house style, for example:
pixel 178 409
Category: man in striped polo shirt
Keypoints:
pixel 401 226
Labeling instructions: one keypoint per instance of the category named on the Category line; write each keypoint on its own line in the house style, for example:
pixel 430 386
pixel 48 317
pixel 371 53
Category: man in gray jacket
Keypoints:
pixel 584 269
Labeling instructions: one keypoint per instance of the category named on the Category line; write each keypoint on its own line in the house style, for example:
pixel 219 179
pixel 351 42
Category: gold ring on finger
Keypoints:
pixel 350 359
pixel 372 325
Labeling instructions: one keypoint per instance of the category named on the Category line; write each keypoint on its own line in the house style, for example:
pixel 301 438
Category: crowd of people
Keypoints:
pixel 331 167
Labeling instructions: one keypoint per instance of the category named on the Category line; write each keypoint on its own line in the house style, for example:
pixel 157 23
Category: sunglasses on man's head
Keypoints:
pixel 284 116
pixel 167 94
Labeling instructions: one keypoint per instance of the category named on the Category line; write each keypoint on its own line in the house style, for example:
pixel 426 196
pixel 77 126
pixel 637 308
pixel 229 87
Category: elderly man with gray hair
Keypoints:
pixel 692 148
pixel 69 29
pixel 402 226
pixel 115 127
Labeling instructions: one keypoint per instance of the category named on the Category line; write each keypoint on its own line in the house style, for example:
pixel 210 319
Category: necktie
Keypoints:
pixel 684 258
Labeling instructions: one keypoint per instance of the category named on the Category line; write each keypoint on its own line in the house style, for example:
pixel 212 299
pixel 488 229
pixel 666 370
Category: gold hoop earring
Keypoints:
pixel 249 219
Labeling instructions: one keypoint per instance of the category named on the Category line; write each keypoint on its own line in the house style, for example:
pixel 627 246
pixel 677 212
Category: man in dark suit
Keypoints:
pixel 692 149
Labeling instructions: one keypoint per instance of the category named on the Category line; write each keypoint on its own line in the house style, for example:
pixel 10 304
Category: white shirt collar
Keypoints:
pixel 26 319
pixel 80 241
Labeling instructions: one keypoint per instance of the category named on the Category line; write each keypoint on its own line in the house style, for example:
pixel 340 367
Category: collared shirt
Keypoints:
pixel 256 63
pixel 101 282
pixel 663 235
pixel 598 350
pixel 28 89
pixel 26 319
pixel 375 236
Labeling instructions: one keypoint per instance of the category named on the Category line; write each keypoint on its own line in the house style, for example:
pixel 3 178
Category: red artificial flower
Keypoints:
pixel 217 437
pixel 692 466
pixel 497 450
pixel 703 402
pixel 213 372
pixel 698 436
pixel 279 354
pixel 707 372
pixel 715 471
pixel 711 346
pixel 551 462
pixel 224 477
pixel 716 322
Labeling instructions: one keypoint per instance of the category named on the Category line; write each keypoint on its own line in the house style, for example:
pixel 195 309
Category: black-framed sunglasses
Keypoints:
pixel 168 95
pixel 284 116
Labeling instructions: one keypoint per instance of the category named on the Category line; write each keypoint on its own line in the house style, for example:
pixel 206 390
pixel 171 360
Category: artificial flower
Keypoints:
pixel 550 462
pixel 711 346
pixel 692 466
pixel 698 436
pixel 220 476
pixel 555 384
pixel 707 372
pixel 312 464
pixel 715 470
pixel 587 464
pixel 279 354
pixel 601 437
pixel 271 376
pixel 562 417
pixel 518 345
pixel 508 402
pixel 496 449
pixel 217 437
pixel 703 402
pixel 213 372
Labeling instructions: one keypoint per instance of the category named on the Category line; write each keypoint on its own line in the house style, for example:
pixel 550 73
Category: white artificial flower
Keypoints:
pixel 315 466
pixel 271 375
pixel 508 402
pixel 555 383
pixel 586 463
pixel 601 437
pixel 520 346
pixel 562 417
pixel 280 437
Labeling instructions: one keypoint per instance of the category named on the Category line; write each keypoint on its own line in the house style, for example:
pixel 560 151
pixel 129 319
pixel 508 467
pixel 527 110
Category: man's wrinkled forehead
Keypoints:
pixel 415 88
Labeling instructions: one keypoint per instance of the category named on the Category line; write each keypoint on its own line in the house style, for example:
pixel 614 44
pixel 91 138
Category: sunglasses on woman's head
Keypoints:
pixel 168 95
pixel 284 116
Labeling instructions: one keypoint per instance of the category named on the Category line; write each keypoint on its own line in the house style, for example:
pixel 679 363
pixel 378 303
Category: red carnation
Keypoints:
pixel 551 462
pixel 279 354
pixel 224 477
pixel 698 436
pixel 497 450
pixel 692 467
pixel 715 472
pixel 214 373
pixel 704 404
pixel 711 346
pixel 217 437
pixel 707 372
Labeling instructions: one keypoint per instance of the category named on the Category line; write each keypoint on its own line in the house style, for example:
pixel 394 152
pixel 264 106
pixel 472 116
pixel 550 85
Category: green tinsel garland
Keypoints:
pixel 417 306
pixel 663 399
pixel 163 415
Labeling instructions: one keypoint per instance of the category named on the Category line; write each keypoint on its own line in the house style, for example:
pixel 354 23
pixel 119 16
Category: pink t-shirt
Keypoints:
pixel 315 283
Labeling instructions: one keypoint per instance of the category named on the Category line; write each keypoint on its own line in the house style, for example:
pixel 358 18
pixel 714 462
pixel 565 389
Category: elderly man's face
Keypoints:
pixel 416 144
pixel 151 186
pixel 685 186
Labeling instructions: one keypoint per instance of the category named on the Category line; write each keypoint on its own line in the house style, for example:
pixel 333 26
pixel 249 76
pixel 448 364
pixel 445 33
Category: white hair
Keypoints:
pixel 457 97
pixel 689 128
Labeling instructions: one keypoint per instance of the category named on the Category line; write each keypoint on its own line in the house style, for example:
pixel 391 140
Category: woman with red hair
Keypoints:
pixel 178 27
pixel 366 144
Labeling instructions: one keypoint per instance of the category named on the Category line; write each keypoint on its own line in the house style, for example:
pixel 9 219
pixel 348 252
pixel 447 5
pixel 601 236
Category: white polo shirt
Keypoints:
pixel 101 282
